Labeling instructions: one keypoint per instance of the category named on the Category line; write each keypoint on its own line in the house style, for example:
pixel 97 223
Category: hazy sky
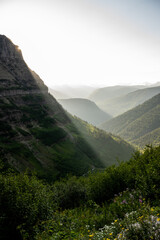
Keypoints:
pixel 104 42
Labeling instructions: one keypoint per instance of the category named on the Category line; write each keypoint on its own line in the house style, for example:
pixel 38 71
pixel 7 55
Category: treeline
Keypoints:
pixel 75 208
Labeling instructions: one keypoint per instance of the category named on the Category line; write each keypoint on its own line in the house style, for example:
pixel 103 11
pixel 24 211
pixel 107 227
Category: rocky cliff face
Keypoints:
pixel 14 72
pixel 8 50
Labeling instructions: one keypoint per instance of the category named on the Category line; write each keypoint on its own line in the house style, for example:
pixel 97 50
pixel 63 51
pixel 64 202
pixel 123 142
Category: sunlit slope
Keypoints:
pixel 85 109
pixel 119 105
pixel 151 138
pixel 109 148
pixel 139 125
pixel 35 131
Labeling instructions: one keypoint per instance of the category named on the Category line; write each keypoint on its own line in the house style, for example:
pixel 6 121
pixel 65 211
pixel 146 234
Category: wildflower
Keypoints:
pixel 115 220
pixel 152 209
pixel 124 202
pixel 131 196
pixel 122 228
pixel 140 200
pixel 158 219
pixel 110 234
pixel 91 235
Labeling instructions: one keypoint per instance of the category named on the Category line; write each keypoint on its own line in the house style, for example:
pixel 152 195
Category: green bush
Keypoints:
pixel 24 202
pixel 69 193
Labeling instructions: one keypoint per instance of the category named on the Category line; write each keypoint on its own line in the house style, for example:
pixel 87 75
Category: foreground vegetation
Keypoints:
pixel 121 202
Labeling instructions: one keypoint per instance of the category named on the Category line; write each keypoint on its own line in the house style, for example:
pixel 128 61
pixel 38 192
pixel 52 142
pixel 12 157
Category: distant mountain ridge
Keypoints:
pixel 103 94
pixel 35 131
pixel 119 105
pixel 139 125
pixel 85 109
pixel 58 94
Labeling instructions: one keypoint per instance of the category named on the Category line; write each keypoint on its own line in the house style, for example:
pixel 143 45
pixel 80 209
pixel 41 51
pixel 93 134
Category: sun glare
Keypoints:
pixel 66 45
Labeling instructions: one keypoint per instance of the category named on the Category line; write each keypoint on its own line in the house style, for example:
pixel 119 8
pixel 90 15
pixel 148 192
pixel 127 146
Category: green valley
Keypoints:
pixel 85 109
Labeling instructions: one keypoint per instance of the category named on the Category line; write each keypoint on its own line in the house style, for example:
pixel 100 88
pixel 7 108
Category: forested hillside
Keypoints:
pixel 104 144
pixel 140 125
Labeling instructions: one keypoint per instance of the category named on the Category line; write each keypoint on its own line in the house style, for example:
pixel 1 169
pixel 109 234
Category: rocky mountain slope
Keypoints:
pixel 35 131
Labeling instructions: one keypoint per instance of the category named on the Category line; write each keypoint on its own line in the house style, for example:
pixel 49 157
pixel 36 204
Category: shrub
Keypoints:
pixel 24 202
pixel 69 193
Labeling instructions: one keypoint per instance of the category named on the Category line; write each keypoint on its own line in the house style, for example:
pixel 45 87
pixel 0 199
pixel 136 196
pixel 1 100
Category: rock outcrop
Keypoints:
pixel 14 72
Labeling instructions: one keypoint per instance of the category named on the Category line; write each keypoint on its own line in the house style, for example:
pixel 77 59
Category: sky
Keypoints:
pixel 86 42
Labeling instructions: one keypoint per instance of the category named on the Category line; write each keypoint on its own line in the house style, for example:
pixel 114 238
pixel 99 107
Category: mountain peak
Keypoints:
pixel 15 73
pixel 8 50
